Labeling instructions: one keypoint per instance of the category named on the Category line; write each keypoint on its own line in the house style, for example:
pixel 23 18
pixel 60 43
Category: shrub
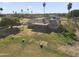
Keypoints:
pixel 9 21
pixel 74 13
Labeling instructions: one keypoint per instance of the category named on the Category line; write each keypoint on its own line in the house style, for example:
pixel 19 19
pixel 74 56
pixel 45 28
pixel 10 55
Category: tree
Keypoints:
pixel 1 9
pixel 75 13
pixel 21 10
pixel 31 11
pixel 28 10
pixel 44 4
pixel 69 6
pixel 13 12
pixel 9 21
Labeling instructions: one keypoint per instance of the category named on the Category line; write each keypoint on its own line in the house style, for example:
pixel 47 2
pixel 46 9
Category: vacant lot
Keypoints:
pixel 26 43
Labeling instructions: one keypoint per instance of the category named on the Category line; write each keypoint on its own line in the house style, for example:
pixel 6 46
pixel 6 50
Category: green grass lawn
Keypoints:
pixel 12 45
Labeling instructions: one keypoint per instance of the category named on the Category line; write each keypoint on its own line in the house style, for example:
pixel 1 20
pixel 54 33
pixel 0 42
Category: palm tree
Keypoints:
pixel 21 10
pixel 13 12
pixel 31 11
pixel 28 10
pixel 44 4
pixel 69 6
pixel 1 9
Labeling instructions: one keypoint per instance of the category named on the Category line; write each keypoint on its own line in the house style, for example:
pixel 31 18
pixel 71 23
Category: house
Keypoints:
pixel 51 22
pixel 54 22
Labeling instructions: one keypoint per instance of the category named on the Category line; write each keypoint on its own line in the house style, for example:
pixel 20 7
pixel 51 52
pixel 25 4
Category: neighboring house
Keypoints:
pixel 51 22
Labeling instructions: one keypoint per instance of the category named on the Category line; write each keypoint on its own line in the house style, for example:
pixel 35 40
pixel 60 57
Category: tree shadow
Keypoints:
pixel 6 32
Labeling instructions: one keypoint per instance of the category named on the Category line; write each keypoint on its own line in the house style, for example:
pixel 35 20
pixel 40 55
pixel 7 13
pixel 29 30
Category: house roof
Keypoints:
pixel 53 17
pixel 46 19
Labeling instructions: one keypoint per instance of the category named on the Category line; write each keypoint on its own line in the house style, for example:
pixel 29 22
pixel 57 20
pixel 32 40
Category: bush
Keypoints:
pixel 74 13
pixel 9 21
